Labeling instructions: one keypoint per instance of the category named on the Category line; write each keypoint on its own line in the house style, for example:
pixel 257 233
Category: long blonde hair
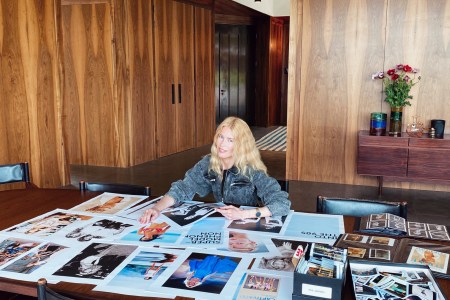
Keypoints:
pixel 245 153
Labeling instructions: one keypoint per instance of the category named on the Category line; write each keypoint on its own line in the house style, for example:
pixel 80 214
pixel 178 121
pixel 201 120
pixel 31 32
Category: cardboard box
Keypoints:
pixel 308 287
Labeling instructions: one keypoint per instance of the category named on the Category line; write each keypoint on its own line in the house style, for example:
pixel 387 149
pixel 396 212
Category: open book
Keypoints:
pixel 392 225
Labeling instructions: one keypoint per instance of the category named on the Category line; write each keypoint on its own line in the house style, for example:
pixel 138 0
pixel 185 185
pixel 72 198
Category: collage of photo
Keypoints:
pixel 187 251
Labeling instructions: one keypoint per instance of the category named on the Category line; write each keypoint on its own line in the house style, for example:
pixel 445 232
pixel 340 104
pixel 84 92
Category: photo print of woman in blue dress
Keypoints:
pixel 204 273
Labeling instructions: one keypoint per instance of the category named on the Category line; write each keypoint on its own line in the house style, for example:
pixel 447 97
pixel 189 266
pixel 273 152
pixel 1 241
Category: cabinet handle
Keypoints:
pixel 173 93
pixel 179 93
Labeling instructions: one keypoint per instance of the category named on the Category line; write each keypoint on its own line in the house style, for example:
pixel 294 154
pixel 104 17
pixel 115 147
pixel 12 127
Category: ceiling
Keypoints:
pixel 274 8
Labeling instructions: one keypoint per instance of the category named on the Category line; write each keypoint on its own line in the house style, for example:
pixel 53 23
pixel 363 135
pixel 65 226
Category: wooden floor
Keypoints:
pixel 423 206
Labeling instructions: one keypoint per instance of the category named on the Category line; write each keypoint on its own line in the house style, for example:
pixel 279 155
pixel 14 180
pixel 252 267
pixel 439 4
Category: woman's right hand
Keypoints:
pixel 149 215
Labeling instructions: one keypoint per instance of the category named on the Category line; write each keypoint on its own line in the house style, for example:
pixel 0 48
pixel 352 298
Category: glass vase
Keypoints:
pixel 395 126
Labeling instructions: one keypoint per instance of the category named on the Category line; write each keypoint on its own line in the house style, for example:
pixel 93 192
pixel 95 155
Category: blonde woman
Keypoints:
pixel 234 173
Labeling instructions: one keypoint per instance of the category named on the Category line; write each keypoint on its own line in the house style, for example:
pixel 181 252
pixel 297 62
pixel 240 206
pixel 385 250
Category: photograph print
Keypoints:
pixel 139 273
pixel 108 203
pixel 281 261
pixel 10 248
pixel 35 259
pixel 96 261
pixel 48 224
pixel 188 213
pixel 155 233
pixel 203 272
pixel 101 229
pixel 245 243
pixel 263 225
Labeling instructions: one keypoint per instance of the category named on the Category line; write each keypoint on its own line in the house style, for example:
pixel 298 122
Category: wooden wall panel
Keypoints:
pixel 30 99
pixel 165 44
pixel 142 115
pixel 204 76
pixel 275 75
pixel 331 94
pixel 90 112
pixel 185 90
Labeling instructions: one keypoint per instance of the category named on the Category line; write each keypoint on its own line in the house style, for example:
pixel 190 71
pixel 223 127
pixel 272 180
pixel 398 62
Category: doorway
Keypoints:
pixel 234 87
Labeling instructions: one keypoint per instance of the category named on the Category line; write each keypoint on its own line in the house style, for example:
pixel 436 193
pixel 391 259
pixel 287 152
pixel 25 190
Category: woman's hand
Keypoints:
pixel 231 212
pixel 149 215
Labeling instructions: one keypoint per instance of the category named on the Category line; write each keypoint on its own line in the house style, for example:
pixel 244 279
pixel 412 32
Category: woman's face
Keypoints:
pixel 241 244
pixel 225 146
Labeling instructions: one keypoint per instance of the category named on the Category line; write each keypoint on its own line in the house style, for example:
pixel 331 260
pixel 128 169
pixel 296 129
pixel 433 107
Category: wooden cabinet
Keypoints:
pixel 130 92
pixel 404 158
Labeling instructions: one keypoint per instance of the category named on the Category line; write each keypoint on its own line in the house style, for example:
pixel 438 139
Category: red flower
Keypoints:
pixel 394 77
pixel 400 67
pixel 407 68
pixel 391 72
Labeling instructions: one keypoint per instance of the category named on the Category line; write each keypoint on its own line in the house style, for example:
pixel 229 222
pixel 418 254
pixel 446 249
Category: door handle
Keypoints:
pixel 179 93
pixel 173 93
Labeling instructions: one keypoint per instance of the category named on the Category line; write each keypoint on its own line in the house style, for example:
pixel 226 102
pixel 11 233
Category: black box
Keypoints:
pixel 308 287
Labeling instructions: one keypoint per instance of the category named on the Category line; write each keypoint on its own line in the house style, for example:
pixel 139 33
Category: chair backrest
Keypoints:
pixel 15 173
pixel 359 207
pixel 284 185
pixel 115 188
pixel 45 293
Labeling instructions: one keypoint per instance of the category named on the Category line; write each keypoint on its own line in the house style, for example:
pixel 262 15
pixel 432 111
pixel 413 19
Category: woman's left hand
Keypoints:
pixel 231 212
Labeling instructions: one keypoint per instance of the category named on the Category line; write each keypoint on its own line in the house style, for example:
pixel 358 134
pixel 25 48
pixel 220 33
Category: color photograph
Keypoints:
pixel 49 223
pixel 203 273
pixel 35 259
pixel 437 261
pixel 108 203
pixel 141 271
pixel 10 248
pixel 246 243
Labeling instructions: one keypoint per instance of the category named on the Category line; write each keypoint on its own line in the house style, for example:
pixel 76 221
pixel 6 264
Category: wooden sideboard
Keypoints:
pixel 404 158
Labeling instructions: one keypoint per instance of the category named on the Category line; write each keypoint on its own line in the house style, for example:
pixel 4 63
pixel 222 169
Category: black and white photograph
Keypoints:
pixel 102 229
pixel 187 213
pixel 95 262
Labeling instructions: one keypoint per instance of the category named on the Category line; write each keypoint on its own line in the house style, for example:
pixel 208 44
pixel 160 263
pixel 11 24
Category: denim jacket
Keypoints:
pixel 258 189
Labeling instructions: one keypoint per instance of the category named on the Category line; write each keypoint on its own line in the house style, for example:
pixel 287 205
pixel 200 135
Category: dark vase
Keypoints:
pixel 395 127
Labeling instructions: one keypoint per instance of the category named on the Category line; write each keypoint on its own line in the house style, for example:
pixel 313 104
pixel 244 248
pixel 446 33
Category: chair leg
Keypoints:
pixel 380 185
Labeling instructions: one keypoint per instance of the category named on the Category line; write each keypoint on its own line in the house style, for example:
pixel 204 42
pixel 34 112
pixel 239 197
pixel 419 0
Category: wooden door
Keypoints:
pixel 174 74
pixel 232 78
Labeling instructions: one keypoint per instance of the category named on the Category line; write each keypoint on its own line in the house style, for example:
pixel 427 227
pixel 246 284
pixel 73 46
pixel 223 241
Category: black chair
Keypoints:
pixel 359 207
pixel 45 293
pixel 284 185
pixel 115 188
pixel 19 172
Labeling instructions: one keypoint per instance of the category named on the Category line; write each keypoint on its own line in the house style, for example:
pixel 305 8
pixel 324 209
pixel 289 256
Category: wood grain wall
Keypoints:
pixel 335 46
pixel 90 111
pixel 140 84
pixel 30 99
pixel 204 75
